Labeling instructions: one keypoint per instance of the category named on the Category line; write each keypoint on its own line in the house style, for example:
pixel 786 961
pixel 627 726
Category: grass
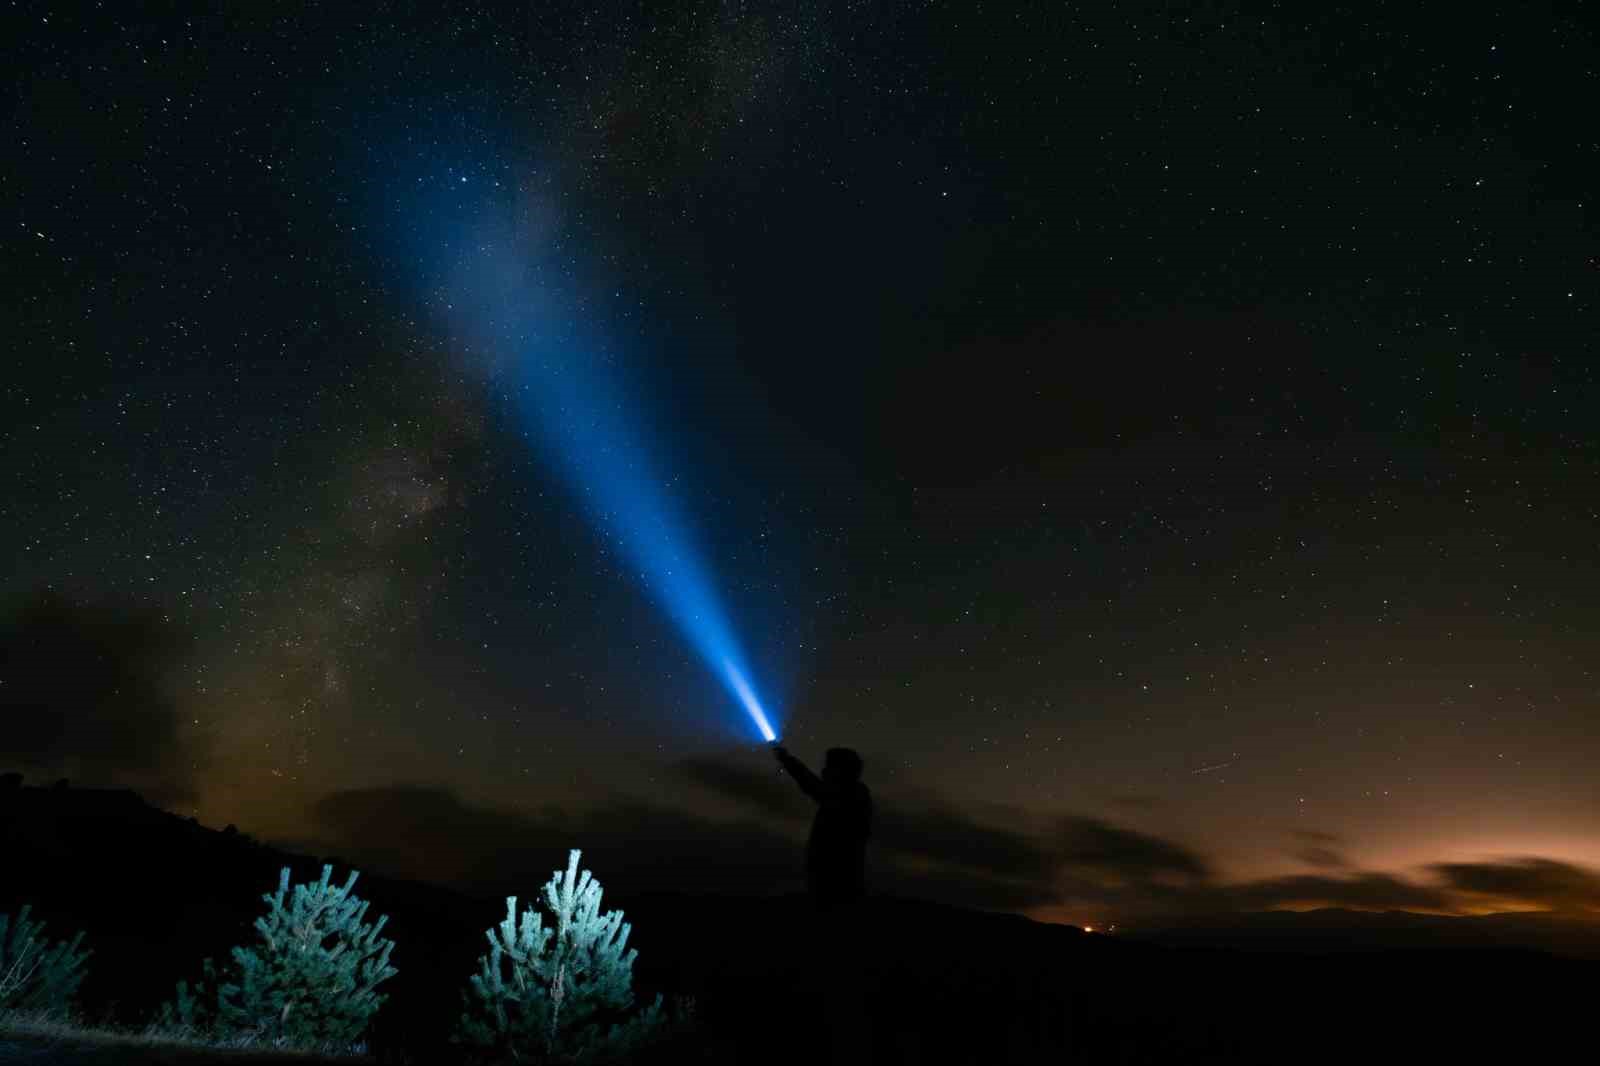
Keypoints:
pixel 45 1039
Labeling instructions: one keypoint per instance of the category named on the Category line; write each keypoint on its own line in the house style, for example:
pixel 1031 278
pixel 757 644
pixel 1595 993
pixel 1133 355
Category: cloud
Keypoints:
pixel 922 846
pixel 1008 862
pixel 1530 881
pixel 766 792
pixel 1321 849
pixel 948 837
pixel 1318 837
pixel 430 832
pixel 1361 891
pixel 918 841
pixel 1091 845
pixel 1323 858
pixel 962 887
pixel 87 693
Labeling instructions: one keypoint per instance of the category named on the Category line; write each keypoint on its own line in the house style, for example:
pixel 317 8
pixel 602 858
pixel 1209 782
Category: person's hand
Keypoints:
pixel 780 751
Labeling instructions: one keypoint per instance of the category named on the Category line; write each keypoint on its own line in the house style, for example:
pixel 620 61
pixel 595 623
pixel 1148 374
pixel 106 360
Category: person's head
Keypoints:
pixel 841 766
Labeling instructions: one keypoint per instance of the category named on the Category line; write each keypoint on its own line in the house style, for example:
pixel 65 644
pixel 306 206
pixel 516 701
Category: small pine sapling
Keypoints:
pixel 310 982
pixel 194 1011
pixel 36 975
pixel 561 992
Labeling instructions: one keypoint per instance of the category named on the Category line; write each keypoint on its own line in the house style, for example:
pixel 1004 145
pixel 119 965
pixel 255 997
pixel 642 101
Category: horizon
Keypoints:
pixel 383 859
pixel 1058 988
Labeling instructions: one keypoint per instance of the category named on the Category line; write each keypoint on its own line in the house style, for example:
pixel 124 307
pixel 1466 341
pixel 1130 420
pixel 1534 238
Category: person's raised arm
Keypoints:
pixel 809 782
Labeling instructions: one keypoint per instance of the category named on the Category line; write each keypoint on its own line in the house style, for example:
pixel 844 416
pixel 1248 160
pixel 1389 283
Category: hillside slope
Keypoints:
pixel 903 982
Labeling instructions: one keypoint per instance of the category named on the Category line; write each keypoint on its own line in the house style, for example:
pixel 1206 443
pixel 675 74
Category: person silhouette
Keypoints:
pixel 837 850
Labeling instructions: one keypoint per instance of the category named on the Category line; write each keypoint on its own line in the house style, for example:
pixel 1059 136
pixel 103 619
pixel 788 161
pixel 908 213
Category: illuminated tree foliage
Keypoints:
pixel 309 983
pixel 36 975
pixel 561 991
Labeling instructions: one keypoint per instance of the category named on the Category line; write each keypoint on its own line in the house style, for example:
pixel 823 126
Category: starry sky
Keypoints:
pixel 1161 439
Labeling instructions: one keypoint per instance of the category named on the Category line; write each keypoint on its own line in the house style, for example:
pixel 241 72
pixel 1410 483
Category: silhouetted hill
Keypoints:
pixel 1336 930
pixel 156 893
pixel 920 982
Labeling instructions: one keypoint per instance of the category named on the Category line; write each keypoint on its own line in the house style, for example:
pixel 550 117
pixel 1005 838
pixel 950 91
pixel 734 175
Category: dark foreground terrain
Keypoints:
pixel 898 982
pixel 35 1050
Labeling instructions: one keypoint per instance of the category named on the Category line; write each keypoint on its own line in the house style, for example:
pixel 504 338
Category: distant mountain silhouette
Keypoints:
pixel 156 892
pixel 1338 930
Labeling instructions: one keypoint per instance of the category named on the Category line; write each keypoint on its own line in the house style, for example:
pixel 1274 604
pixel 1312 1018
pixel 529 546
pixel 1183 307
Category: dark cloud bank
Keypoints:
pixel 922 847
pixel 86 692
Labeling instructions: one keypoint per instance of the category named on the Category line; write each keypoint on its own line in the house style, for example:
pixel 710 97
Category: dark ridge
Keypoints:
pixel 156 893
pixel 1340 930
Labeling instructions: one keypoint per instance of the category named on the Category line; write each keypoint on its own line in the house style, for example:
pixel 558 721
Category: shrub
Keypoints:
pixel 561 992
pixel 36 975
pixel 309 983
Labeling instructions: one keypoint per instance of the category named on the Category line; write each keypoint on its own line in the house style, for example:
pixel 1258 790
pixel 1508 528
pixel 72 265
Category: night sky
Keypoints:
pixel 1162 440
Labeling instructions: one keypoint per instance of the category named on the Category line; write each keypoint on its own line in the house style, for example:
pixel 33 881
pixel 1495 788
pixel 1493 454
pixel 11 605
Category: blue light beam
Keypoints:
pixel 741 688
pixel 569 397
